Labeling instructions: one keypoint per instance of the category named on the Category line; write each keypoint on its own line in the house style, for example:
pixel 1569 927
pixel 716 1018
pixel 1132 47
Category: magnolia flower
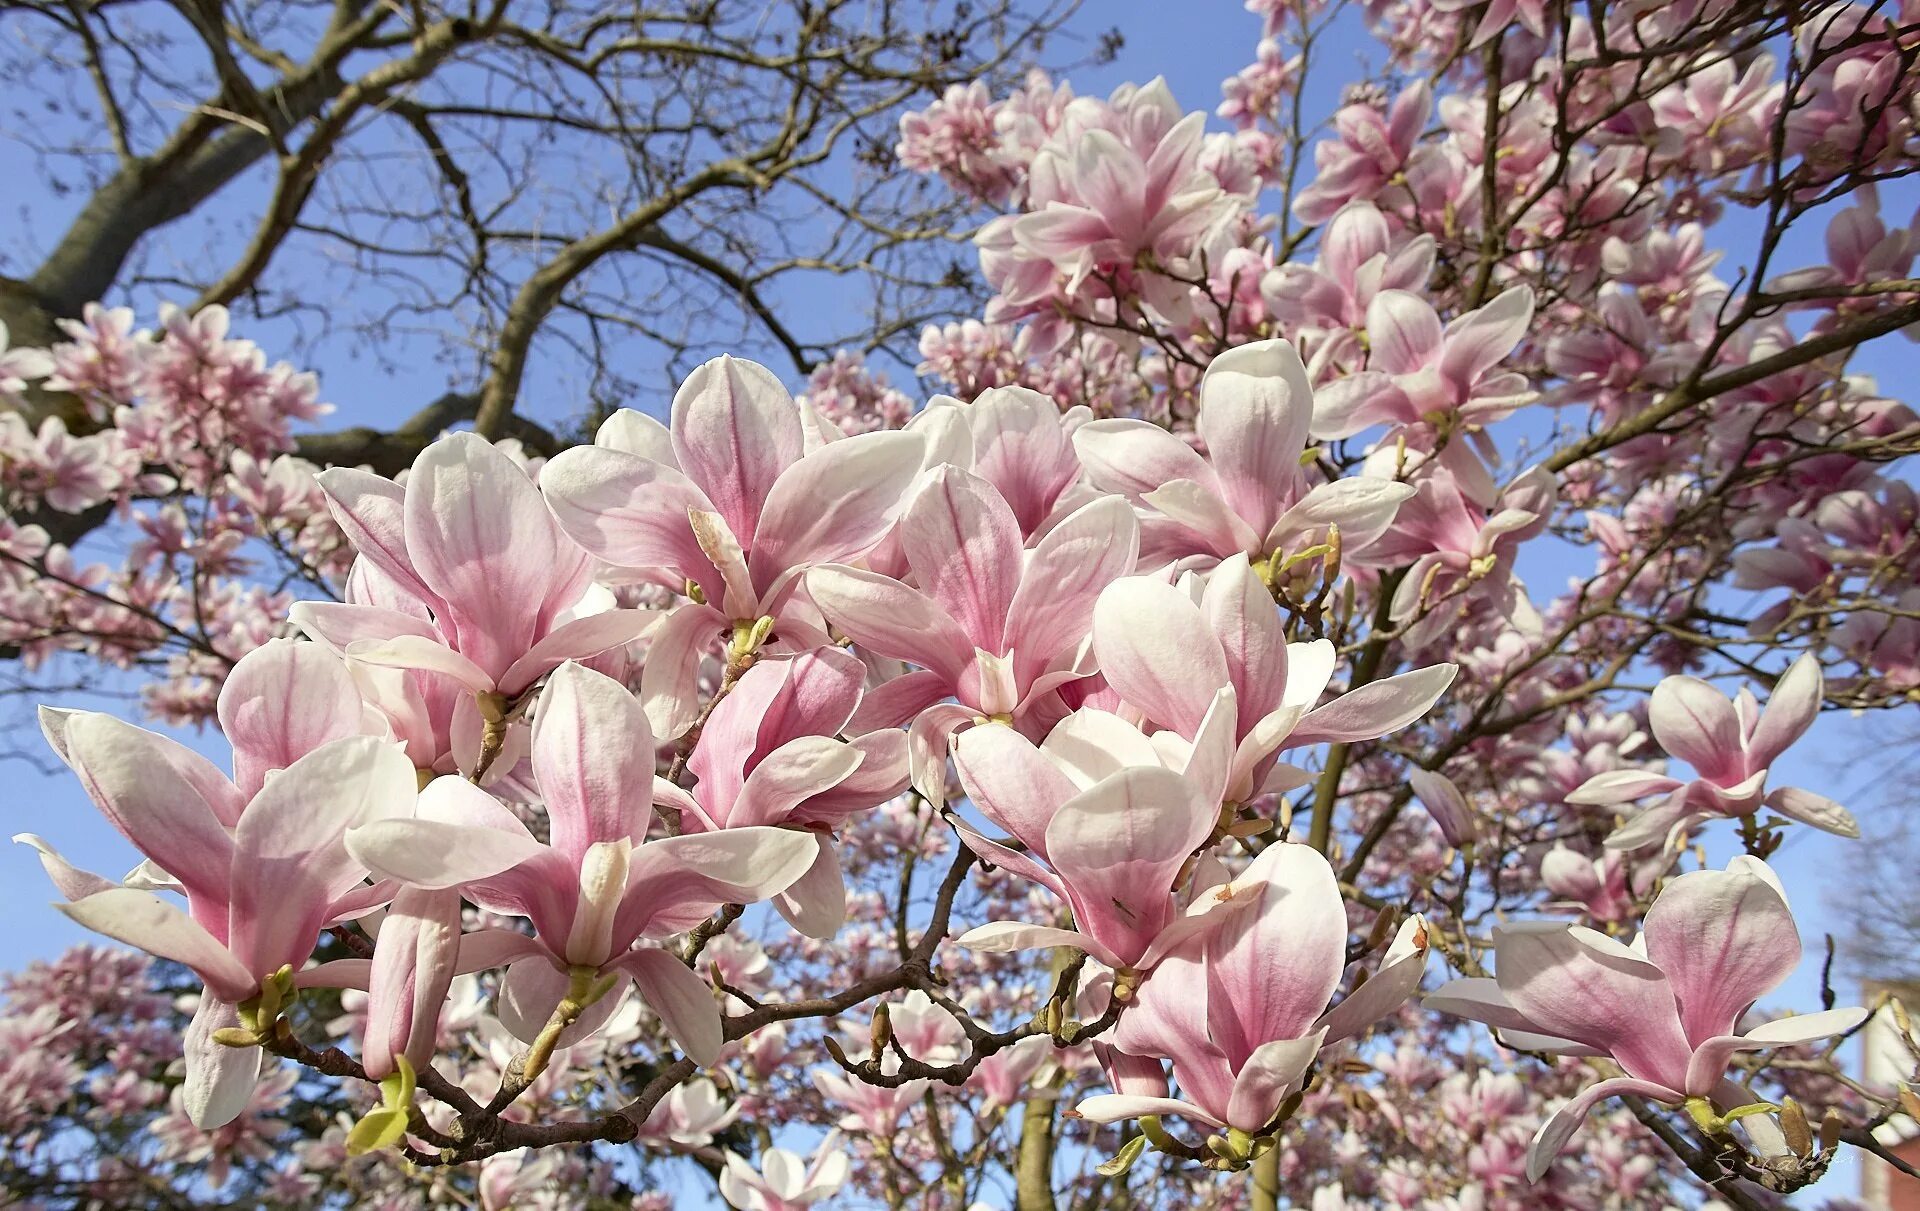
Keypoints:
pixel 1119 851
pixel 769 755
pixel 1357 259
pixel 691 1115
pixel 782 1184
pixel 1248 494
pixel 1369 150
pixel 733 503
pixel 1444 802
pixel 1434 373
pixel 1730 744
pixel 262 874
pixel 599 886
pixel 1242 1012
pixel 1666 1009
pixel 479 583
pixel 992 625
pixel 1167 650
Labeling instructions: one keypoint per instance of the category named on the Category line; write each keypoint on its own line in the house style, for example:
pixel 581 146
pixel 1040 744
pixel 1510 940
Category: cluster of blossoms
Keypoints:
pixel 608 787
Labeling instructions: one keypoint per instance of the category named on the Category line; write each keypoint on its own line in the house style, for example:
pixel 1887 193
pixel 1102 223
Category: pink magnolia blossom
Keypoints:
pixel 784 1182
pixel 600 885
pixel 992 625
pixel 769 755
pixel 1729 744
pixel 1666 1009
pixel 1019 441
pixel 479 581
pixel 1370 149
pixel 1242 1012
pixel 1358 258
pixel 733 503
pixel 1248 494
pixel 1435 374
pixel 262 874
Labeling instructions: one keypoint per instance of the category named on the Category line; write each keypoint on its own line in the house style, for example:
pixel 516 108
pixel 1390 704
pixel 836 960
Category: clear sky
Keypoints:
pixel 1194 45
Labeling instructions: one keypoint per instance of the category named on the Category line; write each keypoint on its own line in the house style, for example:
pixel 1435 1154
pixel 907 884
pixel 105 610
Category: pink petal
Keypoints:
pixel 963 543
pixel 290 860
pixel 816 904
pixel 1724 939
pixel 146 922
pixel 835 504
pixel 629 511
pixel 669 680
pixel 1790 712
pixel 371 510
pixel 1556 1131
pixel 1118 846
pixel 1477 341
pixel 1263 1081
pixel 1255 406
pixel 1817 810
pixel 1012 782
pixel 735 429
pixel 144 789
pixel 282 701
pixel 674 877
pixel 1621 786
pixel 580 639
pixel 433 854
pixel 1273 967
pixel 1376 709
pixel 1403 332
pixel 1695 722
pixel 681 1000
pixel 1154 646
pixel 1133 457
pixel 890 619
pixel 531 991
pixel 790 775
pixel 1577 984
pixel 593 758
pixel 1117 1107
pixel 413 962
pixel 1242 617
pixel 1053 610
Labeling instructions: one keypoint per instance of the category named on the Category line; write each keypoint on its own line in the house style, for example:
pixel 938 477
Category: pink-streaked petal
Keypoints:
pixel 1397 979
pixel 1478 340
pixel 1816 810
pixel 1581 985
pixel 480 537
pixel 1133 457
pixel 816 903
pixel 681 1000
pixel 1274 966
pixel 669 681
pixel 70 880
pixel 1255 405
pixel 1012 782
pixel 1006 937
pixel 593 758
pixel 280 702
pixel 790 775
pixel 1725 939
pixel 835 504
pixel 1210 527
pixel 413 961
pixel 133 777
pixel 425 655
pixel 1695 722
pixel 735 430
pixel 890 619
pixel 1263 1081
pixel 144 921
pixel 1118 1107
pixel 1556 1131
pixel 371 510
pixel 1242 617
pixel 290 860
pixel 1403 332
pixel 1376 709
pixel 964 545
pixel 673 877
pixel 430 854
pixel 628 511
pixel 1053 610
pixel 1621 786
pixel 532 989
pixel 896 701
pixel 580 639
pixel 1154 646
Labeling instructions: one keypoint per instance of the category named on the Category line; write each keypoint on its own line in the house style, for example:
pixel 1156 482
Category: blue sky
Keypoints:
pixel 1194 46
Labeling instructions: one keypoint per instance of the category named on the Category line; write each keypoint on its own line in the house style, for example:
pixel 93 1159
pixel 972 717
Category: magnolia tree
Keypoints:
pixel 1009 802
